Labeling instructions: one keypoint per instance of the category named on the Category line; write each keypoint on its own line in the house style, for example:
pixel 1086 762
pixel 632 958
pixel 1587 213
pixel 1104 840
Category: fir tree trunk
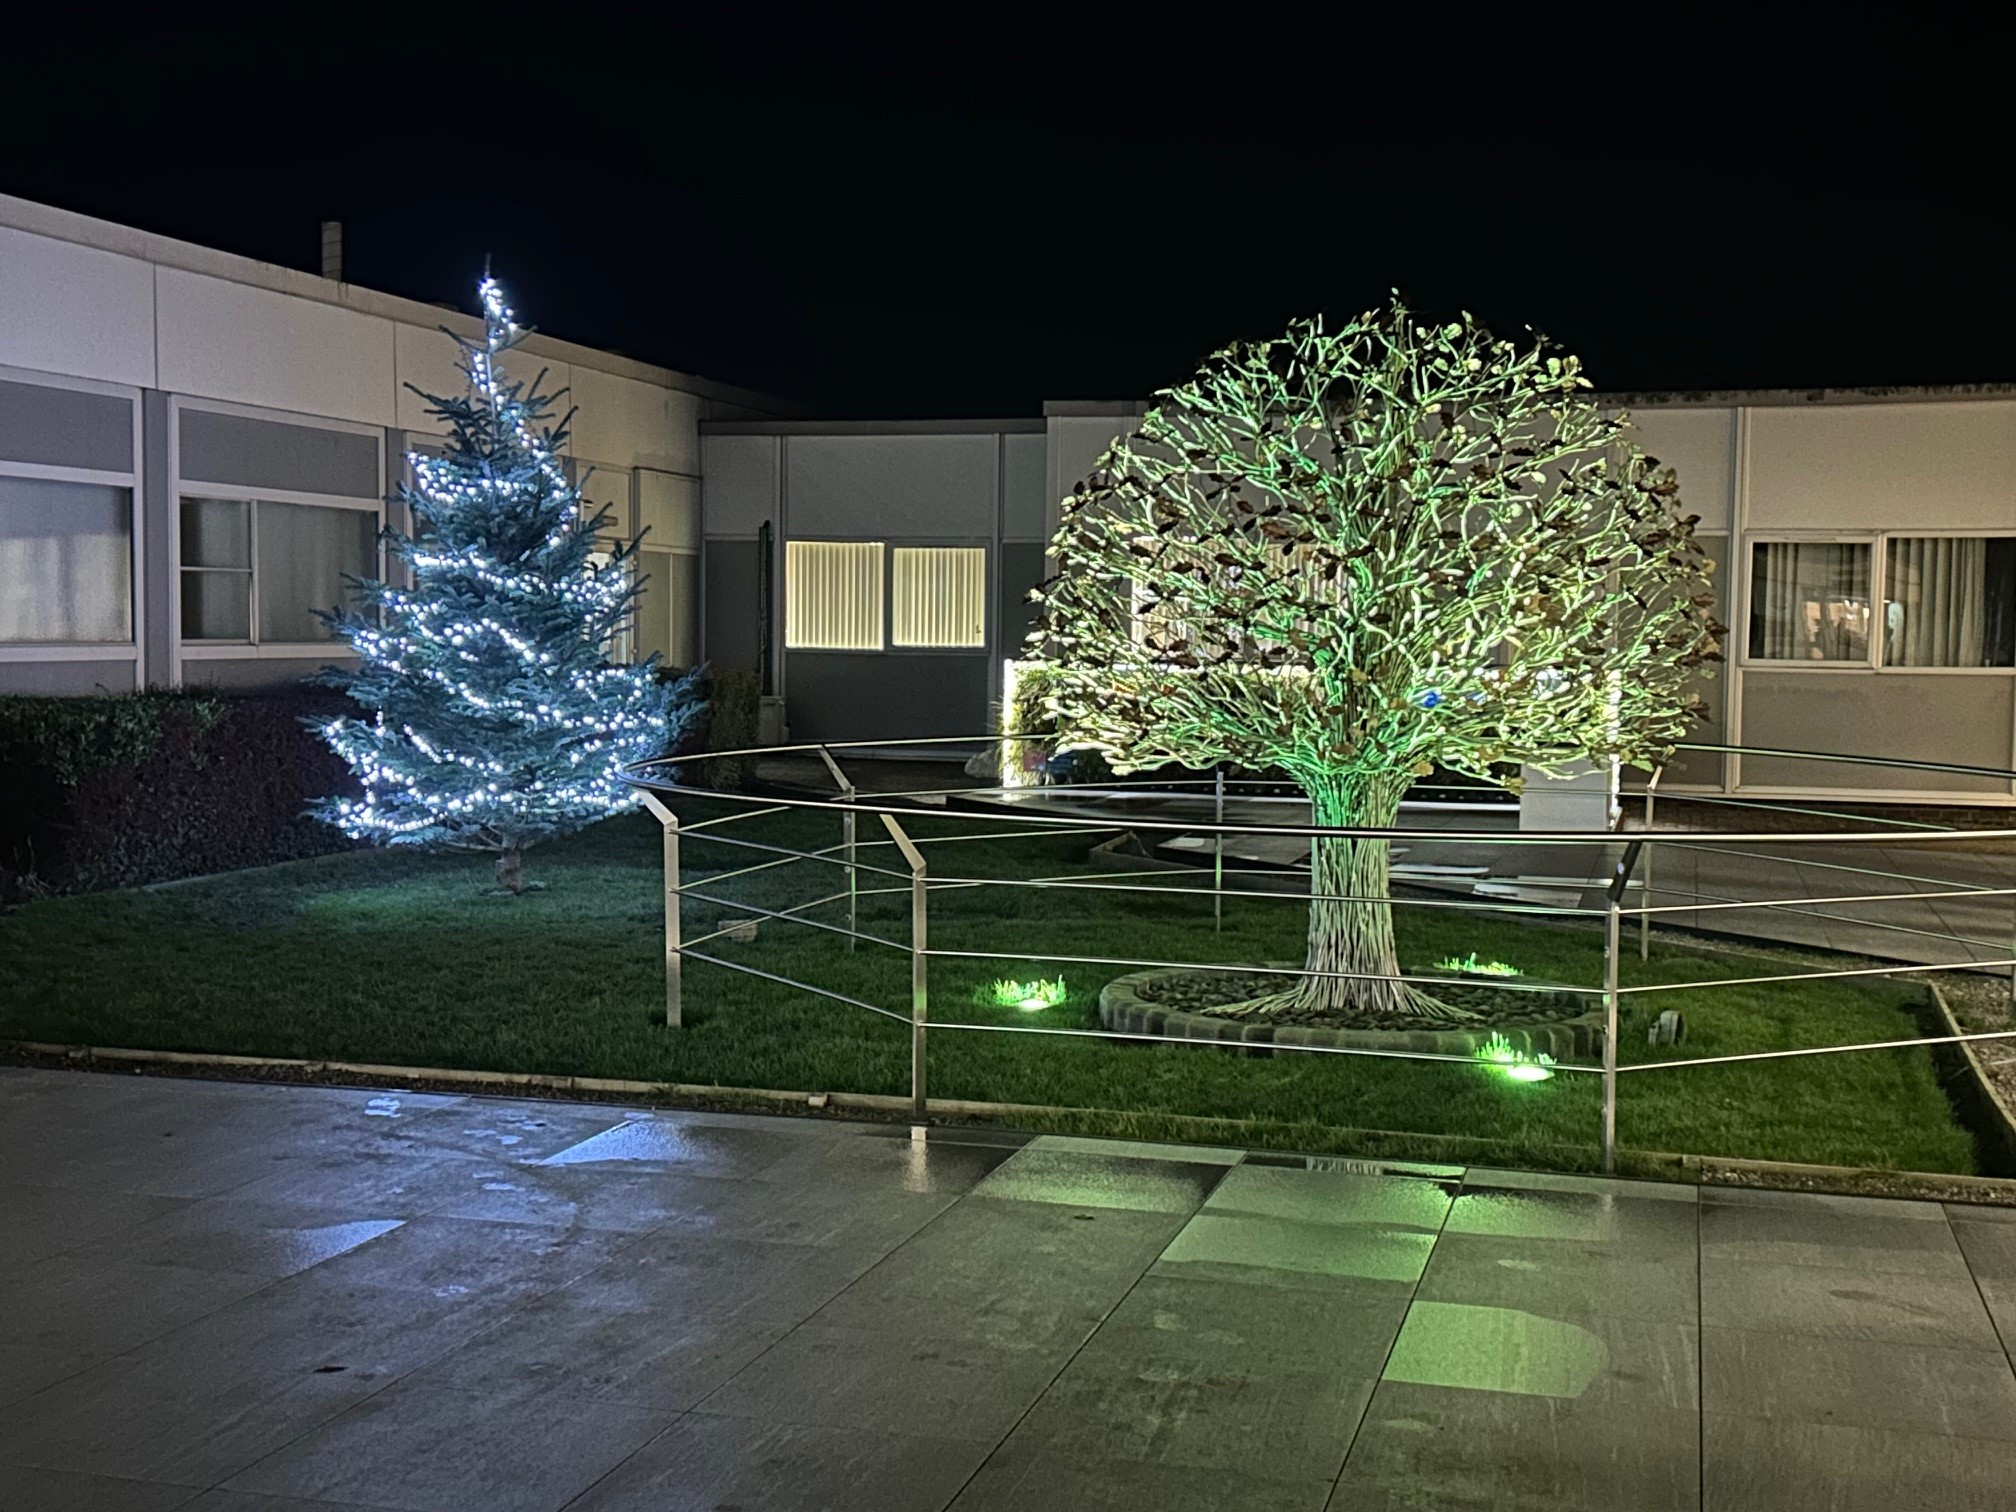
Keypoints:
pixel 1355 936
pixel 511 869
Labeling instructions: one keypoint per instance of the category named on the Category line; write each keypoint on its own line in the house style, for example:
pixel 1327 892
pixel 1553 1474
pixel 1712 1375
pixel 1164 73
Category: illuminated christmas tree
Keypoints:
pixel 1357 556
pixel 494 717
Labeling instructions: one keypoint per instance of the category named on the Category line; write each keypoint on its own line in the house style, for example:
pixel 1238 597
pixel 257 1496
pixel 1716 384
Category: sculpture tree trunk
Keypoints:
pixel 1350 921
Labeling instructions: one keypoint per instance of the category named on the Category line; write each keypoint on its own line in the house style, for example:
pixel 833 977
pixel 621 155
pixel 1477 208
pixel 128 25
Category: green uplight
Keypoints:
pixel 1515 1064
pixel 1470 965
pixel 1031 997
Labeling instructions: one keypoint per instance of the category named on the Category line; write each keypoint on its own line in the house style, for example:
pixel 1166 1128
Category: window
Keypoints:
pixel 66 561
pixel 940 596
pixel 668 608
pixel 217 569
pixel 833 595
pixel 1810 601
pixel 1949 602
pixel 257 570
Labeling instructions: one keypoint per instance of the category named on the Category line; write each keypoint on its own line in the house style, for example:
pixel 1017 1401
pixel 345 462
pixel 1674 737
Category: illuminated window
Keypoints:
pixel 1810 601
pixel 833 595
pixel 1949 601
pixel 940 596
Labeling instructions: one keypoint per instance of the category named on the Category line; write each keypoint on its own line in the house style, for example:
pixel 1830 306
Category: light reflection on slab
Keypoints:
pixel 1363 1252
pixel 668 1143
pixel 1497 1349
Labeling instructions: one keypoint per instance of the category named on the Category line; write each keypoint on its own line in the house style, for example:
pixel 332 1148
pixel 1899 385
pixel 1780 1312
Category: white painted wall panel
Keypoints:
pixel 738 491
pixel 1025 484
pixel 75 310
pixel 890 487
pixel 1947 466
pixel 428 359
pixel 1700 445
pixel 643 424
pixel 1076 443
pixel 220 340
pixel 669 507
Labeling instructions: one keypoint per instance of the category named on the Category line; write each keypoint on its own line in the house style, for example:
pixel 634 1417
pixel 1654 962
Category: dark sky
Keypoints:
pixel 881 216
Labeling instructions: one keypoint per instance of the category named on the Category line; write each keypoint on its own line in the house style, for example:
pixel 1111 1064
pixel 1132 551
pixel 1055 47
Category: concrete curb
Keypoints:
pixel 1700 1170
pixel 1124 1010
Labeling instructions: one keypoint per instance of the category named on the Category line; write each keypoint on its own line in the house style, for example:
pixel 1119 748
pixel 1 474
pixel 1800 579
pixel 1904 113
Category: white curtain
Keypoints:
pixel 1937 596
pixel 66 561
pixel 1810 601
pixel 305 550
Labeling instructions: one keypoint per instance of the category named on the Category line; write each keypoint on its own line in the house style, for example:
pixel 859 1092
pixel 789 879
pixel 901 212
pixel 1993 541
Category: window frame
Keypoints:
pixel 133 648
pixel 640 571
pixel 181 488
pixel 987 598
pixel 1878 542
pixel 881 648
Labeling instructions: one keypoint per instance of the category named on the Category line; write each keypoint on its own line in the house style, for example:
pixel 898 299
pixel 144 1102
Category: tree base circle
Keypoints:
pixel 1130 1005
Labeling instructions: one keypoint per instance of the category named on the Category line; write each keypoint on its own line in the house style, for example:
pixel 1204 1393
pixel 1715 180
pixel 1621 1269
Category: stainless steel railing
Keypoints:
pixel 659 786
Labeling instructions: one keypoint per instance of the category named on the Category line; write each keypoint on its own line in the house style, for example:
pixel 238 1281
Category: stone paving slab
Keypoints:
pixel 230 1298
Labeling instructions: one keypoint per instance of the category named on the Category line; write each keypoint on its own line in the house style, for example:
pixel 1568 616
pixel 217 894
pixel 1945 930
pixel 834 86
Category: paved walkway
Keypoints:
pixel 1888 870
pixel 230 1298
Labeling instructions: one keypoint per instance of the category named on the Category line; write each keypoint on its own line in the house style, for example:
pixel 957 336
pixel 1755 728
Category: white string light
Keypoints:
pixel 495 717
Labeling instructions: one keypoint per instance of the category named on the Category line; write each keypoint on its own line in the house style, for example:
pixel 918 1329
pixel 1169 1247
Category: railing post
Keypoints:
pixel 847 835
pixel 1645 919
pixel 920 968
pixel 1612 931
pixel 853 876
pixel 1610 1041
pixel 1218 853
pixel 670 822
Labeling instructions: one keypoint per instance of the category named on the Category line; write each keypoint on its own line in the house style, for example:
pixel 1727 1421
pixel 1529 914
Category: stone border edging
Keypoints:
pixel 1991 1108
pixel 1124 1010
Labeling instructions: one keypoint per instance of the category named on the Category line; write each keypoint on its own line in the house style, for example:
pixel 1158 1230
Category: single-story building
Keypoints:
pixel 194 447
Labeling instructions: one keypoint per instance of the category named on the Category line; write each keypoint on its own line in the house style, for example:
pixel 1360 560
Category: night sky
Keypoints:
pixel 965 217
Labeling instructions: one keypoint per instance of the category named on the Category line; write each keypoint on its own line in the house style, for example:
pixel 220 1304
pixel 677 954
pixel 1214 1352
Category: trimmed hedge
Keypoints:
pixel 120 790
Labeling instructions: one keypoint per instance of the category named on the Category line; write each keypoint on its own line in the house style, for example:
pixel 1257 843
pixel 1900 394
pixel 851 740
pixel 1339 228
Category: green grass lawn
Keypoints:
pixel 404 959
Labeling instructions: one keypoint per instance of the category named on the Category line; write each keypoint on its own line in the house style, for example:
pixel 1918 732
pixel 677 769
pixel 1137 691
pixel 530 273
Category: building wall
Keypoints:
pixel 979 485
pixel 134 361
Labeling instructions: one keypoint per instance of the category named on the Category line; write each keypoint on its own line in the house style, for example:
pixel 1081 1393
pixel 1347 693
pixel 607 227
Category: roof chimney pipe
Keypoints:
pixel 332 251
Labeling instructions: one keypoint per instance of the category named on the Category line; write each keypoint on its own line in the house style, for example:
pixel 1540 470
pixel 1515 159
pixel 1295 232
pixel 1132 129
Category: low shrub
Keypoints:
pixel 734 703
pixel 120 790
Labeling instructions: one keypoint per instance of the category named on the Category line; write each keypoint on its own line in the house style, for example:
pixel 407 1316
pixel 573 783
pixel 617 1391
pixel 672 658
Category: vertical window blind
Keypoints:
pixel 833 595
pixel 940 596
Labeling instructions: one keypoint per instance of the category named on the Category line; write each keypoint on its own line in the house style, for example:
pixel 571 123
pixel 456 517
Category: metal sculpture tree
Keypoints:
pixel 1356 556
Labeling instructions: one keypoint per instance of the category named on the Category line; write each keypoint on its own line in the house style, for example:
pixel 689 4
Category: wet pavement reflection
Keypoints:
pixel 223 1296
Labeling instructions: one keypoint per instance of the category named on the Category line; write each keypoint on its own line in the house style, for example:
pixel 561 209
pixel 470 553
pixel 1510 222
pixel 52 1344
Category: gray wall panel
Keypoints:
pixel 738 484
pixel 1025 475
pixel 250 453
pixel 1923 717
pixel 886 488
pixel 61 427
pixel 839 695
pixel 157 523
pixel 1021 570
pixel 256 674
pixel 67 677
pixel 729 638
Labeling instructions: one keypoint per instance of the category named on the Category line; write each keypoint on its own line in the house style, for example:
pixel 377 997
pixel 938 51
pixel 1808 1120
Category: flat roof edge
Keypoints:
pixel 1927 393
pixel 57 224
pixel 871 427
